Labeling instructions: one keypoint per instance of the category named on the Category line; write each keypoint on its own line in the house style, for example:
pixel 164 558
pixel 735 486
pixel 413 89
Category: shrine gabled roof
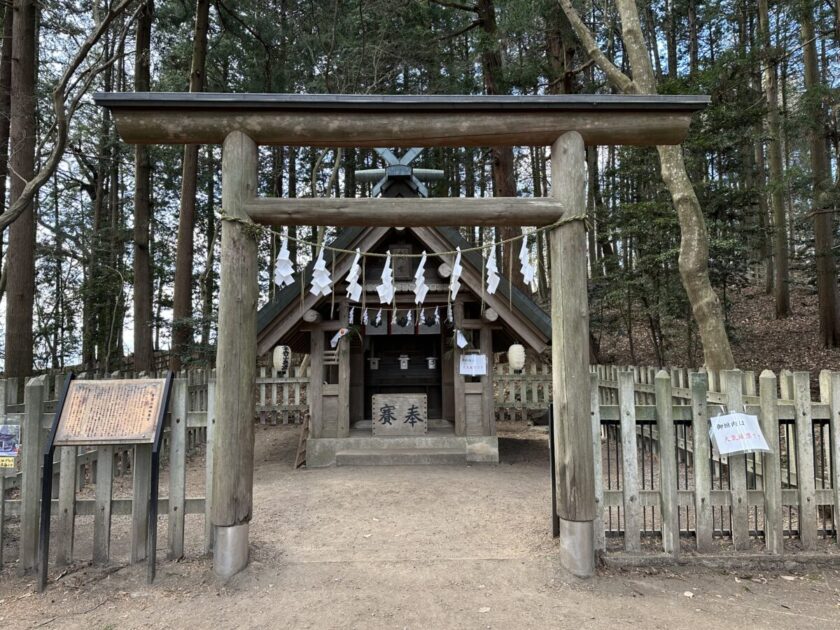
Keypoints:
pixel 522 306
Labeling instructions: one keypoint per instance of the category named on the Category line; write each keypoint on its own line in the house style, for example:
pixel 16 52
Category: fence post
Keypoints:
pixel 704 515
pixel 104 494
pixel 2 510
pixel 66 504
pixel 142 482
pixel 30 493
pixel 208 455
pixel 668 501
pixel 805 457
pixel 732 381
pixel 177 468
pixel 595 401
pixel 773 526
pixel 830 387
pixel 629 461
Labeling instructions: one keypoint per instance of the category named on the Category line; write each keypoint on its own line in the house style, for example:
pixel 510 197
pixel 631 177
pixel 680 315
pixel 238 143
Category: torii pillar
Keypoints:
pixel 236 362
pixel 574 457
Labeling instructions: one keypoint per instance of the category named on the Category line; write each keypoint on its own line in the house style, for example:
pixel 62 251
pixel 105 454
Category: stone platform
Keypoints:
pixel 439 446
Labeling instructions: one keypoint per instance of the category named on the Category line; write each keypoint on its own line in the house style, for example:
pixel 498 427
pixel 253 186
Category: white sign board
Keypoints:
pixel 473 365
pixel 736 433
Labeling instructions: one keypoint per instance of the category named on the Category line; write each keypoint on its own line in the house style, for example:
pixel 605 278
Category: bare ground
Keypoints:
pixel 759 341
pixel 403 547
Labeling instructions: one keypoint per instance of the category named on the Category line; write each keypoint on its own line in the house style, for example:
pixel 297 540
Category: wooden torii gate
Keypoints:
pixel 241 122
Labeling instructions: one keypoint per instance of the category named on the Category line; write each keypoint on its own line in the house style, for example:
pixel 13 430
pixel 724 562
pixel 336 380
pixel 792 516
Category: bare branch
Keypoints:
pixel 461 31
pixel 63 115
pixel 455 5
pixel 620 80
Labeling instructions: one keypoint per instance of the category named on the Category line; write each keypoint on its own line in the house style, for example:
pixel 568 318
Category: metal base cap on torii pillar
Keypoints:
pixel 230 550
pixel 577 547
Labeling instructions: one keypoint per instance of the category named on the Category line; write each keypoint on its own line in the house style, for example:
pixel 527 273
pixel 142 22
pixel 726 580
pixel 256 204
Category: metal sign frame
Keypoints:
pixel 47 480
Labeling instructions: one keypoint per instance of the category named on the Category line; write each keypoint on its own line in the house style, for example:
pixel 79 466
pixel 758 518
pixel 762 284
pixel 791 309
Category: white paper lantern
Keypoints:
pixel 516 357
pixel 282 360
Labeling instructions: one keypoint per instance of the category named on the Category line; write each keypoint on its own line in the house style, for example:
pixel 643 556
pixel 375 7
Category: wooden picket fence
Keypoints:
pixel 518 396
pixel 185 430
pixel 660 487
pixel 282 399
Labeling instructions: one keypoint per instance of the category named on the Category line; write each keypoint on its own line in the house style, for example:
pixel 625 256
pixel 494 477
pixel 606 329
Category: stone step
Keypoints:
pixel 369 442
pixel 399 456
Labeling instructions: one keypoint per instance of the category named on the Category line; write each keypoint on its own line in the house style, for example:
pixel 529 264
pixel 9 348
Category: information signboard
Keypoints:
pixel 101 413
pixel 110 412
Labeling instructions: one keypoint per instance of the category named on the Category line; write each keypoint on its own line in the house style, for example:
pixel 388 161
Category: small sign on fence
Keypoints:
pixel 9 445
pixel 736 433
pixel 473 365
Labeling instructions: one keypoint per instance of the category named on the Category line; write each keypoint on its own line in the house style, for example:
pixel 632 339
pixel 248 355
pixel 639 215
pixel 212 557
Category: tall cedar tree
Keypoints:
pixel 21 275
pixel 143 319
pixel 182 300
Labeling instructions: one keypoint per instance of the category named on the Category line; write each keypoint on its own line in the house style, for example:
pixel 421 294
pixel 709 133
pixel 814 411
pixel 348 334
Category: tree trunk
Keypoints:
pixel 694 242
pixel 143 353
pixel 182 298
pixel 781 273
pixel 208 278
pixel 823 206
pixel 5 105
pixel 20 286
pixel 504 182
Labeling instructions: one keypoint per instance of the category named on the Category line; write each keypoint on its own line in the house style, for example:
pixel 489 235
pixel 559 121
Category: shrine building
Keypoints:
pixel 370 363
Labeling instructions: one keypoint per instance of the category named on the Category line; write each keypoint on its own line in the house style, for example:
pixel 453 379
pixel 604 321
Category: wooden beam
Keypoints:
pixel 236 355
pixel 399 129
pixel 410 212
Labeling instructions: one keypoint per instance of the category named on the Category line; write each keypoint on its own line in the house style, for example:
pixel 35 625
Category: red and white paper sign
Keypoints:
pixel 736 433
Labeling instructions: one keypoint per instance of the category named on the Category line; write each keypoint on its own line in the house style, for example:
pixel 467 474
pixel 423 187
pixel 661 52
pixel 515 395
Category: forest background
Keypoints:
pixel 110 252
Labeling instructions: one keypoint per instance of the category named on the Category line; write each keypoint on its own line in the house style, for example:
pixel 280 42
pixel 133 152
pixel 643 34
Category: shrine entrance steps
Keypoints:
pixel 400 456
pixel 439 446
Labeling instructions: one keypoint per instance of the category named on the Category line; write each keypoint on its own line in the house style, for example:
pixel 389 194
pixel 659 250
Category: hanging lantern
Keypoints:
pixel 431 363
pixel 516 357
pixel 374 363
pixel 403 361
pixel 282 360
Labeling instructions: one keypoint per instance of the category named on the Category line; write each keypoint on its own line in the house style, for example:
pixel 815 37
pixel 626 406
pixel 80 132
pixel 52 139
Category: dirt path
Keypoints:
pixel 404 547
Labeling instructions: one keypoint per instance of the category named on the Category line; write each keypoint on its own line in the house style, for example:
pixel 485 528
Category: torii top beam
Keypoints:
pixel 399 121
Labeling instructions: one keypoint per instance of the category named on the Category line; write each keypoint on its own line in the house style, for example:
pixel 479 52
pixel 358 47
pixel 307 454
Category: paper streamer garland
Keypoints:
pixel 528 269
pixel 321 281
pixel 454 280
pixel 492 272
pixel 420 286
pixel 386 286
pixel 460 339
pixel 283 270
pixel 354 289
